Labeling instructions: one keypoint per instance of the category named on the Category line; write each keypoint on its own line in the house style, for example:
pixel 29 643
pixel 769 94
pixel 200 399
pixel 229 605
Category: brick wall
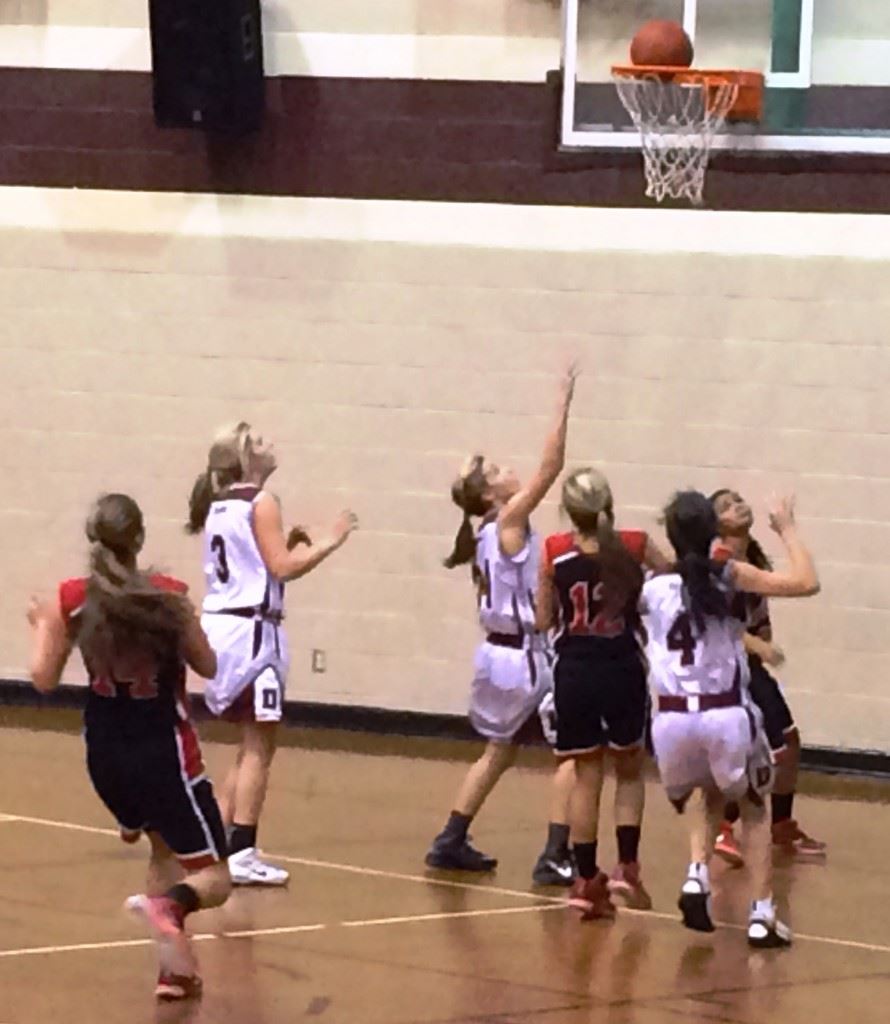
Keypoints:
pixel 379 343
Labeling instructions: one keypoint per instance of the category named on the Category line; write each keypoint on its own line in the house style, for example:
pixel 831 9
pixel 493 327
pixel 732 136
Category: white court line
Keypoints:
pixel 397 876
pixel 257 932
pixel 8 817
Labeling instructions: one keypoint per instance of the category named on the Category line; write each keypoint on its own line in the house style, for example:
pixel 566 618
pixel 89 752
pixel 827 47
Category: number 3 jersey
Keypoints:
pixel 585 625
pixel 682 659
pixel 243 607
pixel 234 570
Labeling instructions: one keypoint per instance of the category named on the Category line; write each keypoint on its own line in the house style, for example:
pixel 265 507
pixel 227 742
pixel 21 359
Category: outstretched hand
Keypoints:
pixel 781 513
pixel 38 609
pixel 567 382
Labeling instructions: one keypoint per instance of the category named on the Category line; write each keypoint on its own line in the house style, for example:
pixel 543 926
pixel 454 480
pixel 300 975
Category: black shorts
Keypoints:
pixel 156 783
pixel 767 695
pixel 598 703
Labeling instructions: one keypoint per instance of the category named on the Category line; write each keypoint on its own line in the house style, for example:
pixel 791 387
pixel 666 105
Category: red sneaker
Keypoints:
pixel 626 883
pixel 791 838
pixel 727 847
pixel 161 917
pixel 591 897
pixel 178 986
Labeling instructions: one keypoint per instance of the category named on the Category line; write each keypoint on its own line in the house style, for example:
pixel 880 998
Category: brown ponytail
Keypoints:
pixel 469 493
pixel 125 619
pixel 200 501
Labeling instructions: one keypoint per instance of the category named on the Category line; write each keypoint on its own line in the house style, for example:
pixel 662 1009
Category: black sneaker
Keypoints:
pixel 458 857
pixel 554 870
pixel 764 933
pixel 694 904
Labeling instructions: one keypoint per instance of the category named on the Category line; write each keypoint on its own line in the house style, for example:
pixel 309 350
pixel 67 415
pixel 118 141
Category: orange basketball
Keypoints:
pixel 662 43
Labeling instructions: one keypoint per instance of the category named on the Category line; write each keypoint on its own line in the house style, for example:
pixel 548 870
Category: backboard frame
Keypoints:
pixel 574 137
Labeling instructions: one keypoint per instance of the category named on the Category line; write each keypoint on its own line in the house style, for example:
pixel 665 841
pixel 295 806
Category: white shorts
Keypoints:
pixel 508 686
pixel 251 668
pixel 724 749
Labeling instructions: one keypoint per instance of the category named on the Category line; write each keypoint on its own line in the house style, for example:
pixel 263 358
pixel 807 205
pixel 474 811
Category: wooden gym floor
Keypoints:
pixel 364 935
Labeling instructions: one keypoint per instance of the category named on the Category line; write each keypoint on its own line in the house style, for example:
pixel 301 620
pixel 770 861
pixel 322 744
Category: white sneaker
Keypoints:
pixel 246 868
pixel 766 931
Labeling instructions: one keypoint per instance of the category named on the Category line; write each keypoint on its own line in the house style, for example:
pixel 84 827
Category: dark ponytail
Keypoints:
pixel 757 556
pixel 464 549
pixel 691 525
pixel 200 501
pixel 468 492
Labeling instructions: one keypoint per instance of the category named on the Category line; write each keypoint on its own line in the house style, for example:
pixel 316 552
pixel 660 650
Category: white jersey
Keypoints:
pixel 506 584
pixel 234 570
pixel 682 660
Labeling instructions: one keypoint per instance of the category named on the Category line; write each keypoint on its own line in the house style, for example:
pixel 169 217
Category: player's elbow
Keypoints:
pixel 44 679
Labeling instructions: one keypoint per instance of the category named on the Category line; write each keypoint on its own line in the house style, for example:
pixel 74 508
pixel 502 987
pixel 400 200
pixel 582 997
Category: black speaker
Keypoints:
pixel 207 64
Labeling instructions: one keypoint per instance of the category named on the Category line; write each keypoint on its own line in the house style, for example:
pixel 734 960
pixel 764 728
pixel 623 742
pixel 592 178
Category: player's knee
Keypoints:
pixel 629 763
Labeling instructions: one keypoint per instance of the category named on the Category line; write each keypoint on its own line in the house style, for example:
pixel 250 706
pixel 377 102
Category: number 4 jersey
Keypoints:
pixel 683 660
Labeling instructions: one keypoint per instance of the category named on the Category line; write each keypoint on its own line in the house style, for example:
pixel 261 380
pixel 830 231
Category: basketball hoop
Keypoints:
pixel 677 112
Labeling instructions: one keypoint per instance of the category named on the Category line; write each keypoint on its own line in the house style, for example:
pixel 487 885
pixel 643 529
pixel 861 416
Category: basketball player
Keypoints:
pixel 512 672
pixel 589 586
pixel 136 633
pixel 735 520
pixel 707 733
pixel 247 561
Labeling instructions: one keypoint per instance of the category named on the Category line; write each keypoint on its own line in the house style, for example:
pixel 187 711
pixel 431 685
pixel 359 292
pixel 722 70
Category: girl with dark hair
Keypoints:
pixel 512 668
pixel 136 632
pixel 707 733
pixel 589 587
pixel 735 519
pixel 247 561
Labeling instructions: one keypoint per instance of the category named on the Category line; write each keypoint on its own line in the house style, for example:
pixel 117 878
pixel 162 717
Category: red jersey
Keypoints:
pixel 587 623
pixel 139 697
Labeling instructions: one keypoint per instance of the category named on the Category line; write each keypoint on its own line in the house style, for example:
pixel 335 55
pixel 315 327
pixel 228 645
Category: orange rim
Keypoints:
pixel 748 105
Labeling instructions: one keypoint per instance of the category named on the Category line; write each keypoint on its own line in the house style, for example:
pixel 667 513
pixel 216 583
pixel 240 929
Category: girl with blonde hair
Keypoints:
pixel 589 585
pixel 247 561
pixel 512 673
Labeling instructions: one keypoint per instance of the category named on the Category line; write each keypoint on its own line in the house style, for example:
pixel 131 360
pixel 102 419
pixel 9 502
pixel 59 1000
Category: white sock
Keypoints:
pixel 763 909
pixel 699 873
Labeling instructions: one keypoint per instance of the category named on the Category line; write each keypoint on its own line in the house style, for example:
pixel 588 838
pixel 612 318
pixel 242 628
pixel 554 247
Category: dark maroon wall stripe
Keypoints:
pixel 372 138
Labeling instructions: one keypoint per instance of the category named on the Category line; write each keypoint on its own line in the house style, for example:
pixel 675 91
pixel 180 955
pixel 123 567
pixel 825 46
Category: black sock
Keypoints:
pixel 628 837
pixel 185 898
pixel 557 841
pixel 782 804
pixel 585 858
pixel 731 813
pixel 455 830
pixel 243 837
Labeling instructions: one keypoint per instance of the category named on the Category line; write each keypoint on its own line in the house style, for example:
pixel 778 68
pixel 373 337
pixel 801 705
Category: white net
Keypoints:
pixel 677 122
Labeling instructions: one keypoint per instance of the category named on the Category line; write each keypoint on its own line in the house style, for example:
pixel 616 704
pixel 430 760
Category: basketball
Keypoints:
pixel 662 43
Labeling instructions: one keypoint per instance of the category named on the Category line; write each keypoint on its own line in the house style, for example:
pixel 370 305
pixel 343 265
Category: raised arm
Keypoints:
pixel 50 644
pixel 291 564
pixel 799 579
pixel 513 517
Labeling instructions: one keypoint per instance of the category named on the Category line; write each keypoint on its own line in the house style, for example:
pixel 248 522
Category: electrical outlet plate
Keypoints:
pixel 319 662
